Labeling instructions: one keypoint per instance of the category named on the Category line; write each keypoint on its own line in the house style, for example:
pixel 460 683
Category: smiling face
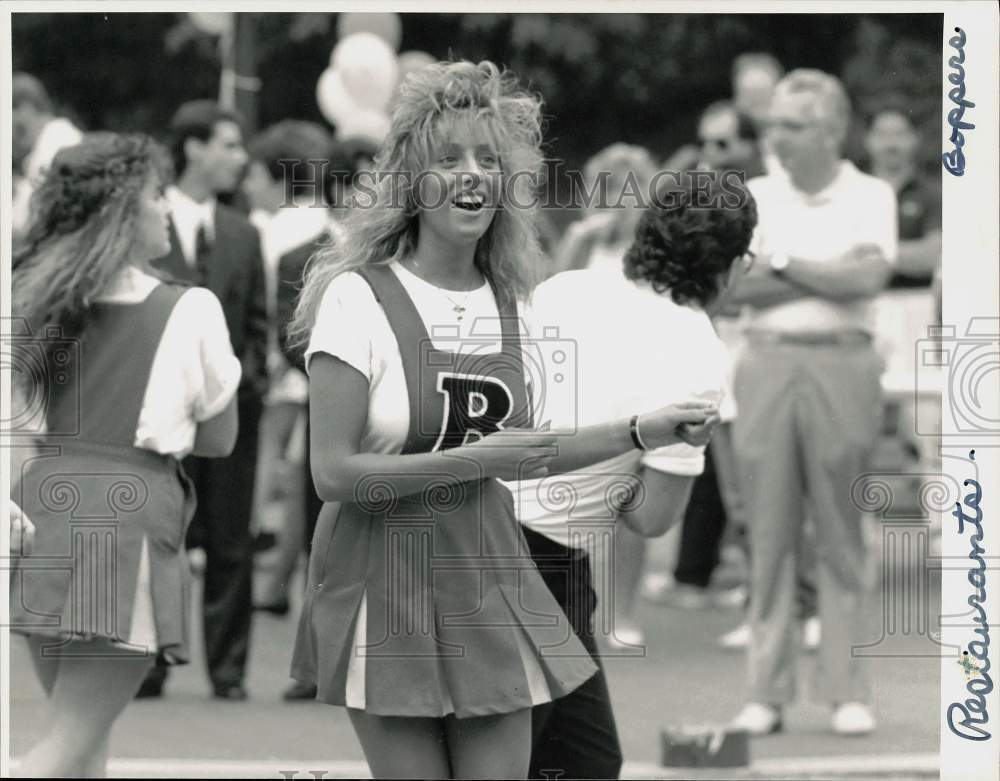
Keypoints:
pixel 458 191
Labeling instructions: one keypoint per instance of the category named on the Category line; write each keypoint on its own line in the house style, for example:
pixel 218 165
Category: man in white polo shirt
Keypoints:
pixel 808 391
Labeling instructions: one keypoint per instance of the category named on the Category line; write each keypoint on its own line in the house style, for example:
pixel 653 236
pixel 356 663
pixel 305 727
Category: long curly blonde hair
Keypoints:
pixel 385 228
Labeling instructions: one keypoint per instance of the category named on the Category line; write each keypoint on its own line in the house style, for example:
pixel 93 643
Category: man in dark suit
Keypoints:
pixel 214 246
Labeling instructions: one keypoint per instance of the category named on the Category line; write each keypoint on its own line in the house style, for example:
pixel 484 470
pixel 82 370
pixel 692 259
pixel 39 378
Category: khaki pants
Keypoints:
pixel 809 418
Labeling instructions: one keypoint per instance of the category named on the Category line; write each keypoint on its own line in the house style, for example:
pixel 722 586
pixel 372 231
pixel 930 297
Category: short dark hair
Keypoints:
pixel 196 119
pixel 287 147
pixel 683 247
pixel 745 127
pixel 348 158
pixel 25 89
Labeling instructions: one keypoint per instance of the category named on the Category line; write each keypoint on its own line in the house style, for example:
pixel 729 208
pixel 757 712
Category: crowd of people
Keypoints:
pixel 389 376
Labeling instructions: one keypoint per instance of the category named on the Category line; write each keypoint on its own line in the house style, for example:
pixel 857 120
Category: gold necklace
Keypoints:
pixel 456 307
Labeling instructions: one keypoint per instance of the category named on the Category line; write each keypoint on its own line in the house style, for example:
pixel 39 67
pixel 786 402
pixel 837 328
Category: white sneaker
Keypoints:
pixel 758 719
pixel 853 718
pixel 731 597
pixel 811 633
pixel 626 636
pixel 655 585
pixel 736 639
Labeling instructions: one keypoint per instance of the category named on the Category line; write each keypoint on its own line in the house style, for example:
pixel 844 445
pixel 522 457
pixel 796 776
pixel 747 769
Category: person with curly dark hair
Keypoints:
pixel 652 344
pixel 135 373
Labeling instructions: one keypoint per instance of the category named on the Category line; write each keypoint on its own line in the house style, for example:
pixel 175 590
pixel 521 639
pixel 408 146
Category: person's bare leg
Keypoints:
pixel 629 557
pixel 87 695
pixel 490 746
pixel 402 747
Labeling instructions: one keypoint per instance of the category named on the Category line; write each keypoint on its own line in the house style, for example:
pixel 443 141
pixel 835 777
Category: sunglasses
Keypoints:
pixel 719 143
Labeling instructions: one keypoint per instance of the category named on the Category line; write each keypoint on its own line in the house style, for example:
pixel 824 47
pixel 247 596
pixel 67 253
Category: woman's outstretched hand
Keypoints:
pixel 687 421
pixel 512 454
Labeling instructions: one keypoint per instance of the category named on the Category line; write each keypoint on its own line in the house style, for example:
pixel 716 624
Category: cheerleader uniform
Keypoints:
pixel 429 604
pixel 105 489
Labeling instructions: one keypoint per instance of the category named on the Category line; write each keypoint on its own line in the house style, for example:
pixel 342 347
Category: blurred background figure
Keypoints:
pixel 755 75
pixel 37 135
pixel 729 141
pixel 283 188
pixel 213 246
pixel 808 388
pixel 908 305
pixel 616 183
pixel 682 569
pixel 618 180
pixel 347 162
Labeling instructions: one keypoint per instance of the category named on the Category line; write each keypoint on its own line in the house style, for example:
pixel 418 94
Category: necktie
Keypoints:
pixel 202 252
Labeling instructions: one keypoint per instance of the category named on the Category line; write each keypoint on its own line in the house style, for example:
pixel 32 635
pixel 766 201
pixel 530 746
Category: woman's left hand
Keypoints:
pixel 22 531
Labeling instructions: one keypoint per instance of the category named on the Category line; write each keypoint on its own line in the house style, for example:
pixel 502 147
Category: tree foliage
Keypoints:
pixel 641 78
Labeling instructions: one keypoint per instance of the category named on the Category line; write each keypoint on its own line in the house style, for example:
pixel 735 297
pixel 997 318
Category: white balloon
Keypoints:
pixel 334 101
pixel 368 68
pixel 365 123
pixel 214 23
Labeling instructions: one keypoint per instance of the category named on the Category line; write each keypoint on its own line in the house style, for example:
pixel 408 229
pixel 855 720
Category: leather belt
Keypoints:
pixel 815 338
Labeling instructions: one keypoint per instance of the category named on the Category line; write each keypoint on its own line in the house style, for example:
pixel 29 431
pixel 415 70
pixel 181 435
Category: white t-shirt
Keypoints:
pixel 629 350
pixel 194 374
pixel 853 209
pixel 351 325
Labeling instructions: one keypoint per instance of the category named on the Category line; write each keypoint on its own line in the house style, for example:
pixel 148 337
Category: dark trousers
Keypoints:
pixel 702 528
pixel 313 504
pixel 574 736
pixel 224 488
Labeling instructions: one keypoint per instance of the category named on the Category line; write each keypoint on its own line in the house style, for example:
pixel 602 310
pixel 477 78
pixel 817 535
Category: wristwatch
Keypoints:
pixel 779 262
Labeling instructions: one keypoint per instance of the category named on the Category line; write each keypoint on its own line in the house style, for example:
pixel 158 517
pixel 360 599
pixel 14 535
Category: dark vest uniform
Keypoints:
pixel 447 575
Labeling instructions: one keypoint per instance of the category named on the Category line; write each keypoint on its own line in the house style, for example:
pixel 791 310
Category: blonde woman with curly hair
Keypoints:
pixel 425 616
pixel 148 376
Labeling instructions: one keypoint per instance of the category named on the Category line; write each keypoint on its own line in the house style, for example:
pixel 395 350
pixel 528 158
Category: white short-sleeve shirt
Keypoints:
pixel 853 209
pixel 629 350
pixel 194 373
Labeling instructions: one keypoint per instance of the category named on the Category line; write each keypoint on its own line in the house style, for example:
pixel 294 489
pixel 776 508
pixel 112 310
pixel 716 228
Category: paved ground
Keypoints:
pixel 683 678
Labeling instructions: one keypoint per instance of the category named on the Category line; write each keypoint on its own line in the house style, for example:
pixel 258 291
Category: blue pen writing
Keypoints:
pixel 968 719
pixel 954 161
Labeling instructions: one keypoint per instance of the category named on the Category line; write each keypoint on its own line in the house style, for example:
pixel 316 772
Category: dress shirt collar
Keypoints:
pixel 187 208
